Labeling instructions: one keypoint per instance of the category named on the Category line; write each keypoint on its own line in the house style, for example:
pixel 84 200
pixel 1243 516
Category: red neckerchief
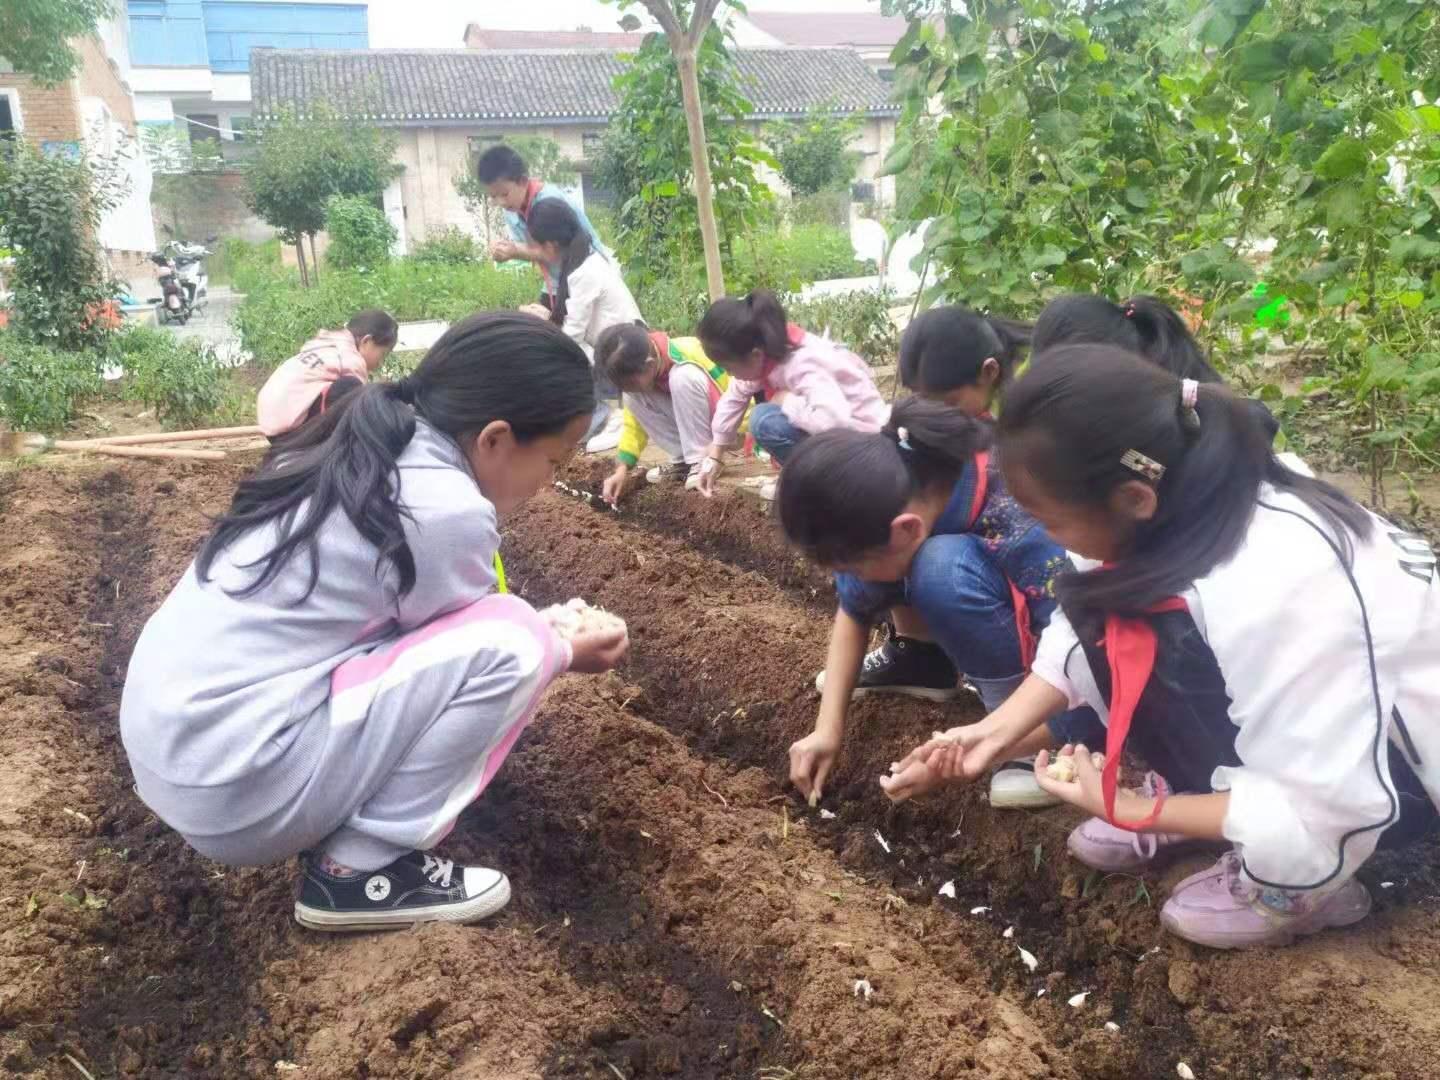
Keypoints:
pixel 661 341
pixel 1130 652
pixel 531 190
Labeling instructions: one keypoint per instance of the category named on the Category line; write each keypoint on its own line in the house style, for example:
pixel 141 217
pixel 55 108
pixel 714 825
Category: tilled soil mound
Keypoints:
pixel 676 912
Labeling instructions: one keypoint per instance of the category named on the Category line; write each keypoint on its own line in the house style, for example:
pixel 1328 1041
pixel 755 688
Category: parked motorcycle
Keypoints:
pixel 184 285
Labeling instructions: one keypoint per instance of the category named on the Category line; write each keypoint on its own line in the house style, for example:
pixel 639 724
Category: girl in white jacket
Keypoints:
pixel 1267 645
pixel 590 297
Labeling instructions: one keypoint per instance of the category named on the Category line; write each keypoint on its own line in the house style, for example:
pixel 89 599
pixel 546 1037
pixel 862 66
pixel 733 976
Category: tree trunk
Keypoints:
pixel 315 258
pixel 700 165
pixel 300 259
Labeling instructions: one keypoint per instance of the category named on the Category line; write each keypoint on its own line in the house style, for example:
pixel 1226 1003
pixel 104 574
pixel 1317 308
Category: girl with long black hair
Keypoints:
pixel 1264 643
pixel 590 297
pixel 339 673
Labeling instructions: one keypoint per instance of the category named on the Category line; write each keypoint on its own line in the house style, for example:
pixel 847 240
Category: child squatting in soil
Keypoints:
pixel 962 359
pixel 336 675
pixel 670 391
pixel 590 297
pixel 916 515
pixel 331 365
pixel 1263 642
pixel 807 383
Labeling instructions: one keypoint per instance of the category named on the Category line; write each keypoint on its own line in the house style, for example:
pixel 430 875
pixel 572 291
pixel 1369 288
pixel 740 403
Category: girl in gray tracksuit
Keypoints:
pixel 337 673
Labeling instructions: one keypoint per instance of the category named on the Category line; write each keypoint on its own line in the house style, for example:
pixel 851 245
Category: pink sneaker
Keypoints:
pixel 1218 908
pixel 1101 846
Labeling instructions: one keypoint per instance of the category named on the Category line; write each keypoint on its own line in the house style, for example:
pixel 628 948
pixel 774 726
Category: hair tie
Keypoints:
pixel 1129 311
pixel 1189 398
pixel 902 438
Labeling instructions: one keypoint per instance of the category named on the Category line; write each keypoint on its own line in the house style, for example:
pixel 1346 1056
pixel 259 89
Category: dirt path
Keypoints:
pixel 676 913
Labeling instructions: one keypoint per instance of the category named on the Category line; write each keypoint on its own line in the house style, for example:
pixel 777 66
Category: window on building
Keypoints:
pixel 590 143
pixel 203 126
pixel 240 127
pixel 9 116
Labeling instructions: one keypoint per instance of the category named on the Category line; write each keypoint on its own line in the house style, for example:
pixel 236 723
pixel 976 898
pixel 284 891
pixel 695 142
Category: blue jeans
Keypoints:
pixel 965 600
pixel 773 432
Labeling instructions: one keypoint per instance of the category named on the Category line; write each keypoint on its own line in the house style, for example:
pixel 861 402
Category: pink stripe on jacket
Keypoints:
pixel 827 386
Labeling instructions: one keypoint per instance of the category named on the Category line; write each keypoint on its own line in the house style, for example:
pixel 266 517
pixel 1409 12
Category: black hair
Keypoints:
pixel 841 489
pixel 623 352
pixel 1144 325
pixel 732 328
pixel 379 326
pixel 553 221
pixel 944 348
pixel 500 162
pixel 492 366
pixel 1069 421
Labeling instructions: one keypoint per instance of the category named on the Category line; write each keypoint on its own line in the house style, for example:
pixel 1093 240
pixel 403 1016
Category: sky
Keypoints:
pixel 394 23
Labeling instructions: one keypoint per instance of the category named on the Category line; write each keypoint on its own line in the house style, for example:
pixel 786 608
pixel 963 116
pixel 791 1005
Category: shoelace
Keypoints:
pixel 438 870
pixel 876 659
pixel 1141 841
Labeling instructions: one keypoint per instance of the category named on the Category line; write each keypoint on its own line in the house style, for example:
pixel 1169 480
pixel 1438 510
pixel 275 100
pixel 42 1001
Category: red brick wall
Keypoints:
pixel 48 114
pixel 99 79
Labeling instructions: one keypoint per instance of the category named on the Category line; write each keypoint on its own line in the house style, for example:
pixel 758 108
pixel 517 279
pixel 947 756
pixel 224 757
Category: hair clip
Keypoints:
pixel 1129 311
pixel 1145 466
pixel 902 438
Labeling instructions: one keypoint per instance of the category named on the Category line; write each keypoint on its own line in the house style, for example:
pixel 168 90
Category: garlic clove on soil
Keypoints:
pixel 1184 1071
pixel 1028 958
pixel 1111 1026
pixel 863 989
pixel 1079 999
pixel 1009 933
pixel 948 890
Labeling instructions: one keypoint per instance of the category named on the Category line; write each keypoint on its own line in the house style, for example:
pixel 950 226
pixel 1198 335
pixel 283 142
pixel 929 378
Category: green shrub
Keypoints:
pixel 177 378
pixel 39 386
pixel 277 316
pixel 253 266
pixel 449 245
pixel 859 320
pixel 360 233
pixel 830 208
pixel 786 262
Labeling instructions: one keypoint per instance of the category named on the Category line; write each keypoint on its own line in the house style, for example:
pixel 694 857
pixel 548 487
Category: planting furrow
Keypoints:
pixel 716 870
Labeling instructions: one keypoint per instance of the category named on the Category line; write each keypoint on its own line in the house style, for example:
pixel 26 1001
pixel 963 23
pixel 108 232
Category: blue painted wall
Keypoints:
pixel 219 34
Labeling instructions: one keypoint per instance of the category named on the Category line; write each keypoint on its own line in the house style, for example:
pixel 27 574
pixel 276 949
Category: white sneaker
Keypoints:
pixel 608 437
pixel 669 473
pixel 1013 787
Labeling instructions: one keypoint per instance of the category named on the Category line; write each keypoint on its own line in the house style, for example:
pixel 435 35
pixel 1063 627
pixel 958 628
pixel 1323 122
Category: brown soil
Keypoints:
pixel 675 913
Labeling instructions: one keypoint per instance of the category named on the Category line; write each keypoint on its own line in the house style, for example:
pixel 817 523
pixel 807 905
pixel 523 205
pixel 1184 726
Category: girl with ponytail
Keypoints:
pixel 916 515
pixel 590 297
pixel 803 383
pixel 960 357
pixel 1260 640
pixel 340 672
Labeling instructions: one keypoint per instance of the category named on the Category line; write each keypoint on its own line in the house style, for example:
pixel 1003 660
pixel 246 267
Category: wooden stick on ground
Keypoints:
pixel 165 437
pixel 142 451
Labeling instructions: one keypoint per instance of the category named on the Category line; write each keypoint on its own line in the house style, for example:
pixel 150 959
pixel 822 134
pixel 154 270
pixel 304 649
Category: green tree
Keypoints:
pixel 814 153
pixel 35 35
pixel 646 160
pixel 543 158
pixel 360 234
pixel 300 163
pixel 50 213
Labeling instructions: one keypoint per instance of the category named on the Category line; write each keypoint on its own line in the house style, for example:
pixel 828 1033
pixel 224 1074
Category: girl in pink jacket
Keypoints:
pixel 330 365
pixel 803 383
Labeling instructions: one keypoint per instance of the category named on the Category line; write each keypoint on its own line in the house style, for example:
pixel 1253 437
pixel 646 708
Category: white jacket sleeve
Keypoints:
pixel 587 289
pixel 1312 705
pixel 1053 656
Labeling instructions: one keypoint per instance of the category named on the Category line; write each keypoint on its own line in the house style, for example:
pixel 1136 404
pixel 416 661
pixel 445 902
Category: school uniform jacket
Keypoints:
pixel 685 350
pixel 599 299
pixel 1309 669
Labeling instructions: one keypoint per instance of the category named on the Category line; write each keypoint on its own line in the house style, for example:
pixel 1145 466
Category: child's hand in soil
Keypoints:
pixel 614 485
pixel 710 469
pixel 1084 791
pixel 961 753
pixel 909 780
pixel 811 760
pixel 598 651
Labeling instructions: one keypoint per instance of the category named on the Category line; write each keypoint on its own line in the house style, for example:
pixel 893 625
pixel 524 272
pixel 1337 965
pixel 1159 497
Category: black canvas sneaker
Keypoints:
pixel 414 889
pixel 672 472
pixel 905 666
